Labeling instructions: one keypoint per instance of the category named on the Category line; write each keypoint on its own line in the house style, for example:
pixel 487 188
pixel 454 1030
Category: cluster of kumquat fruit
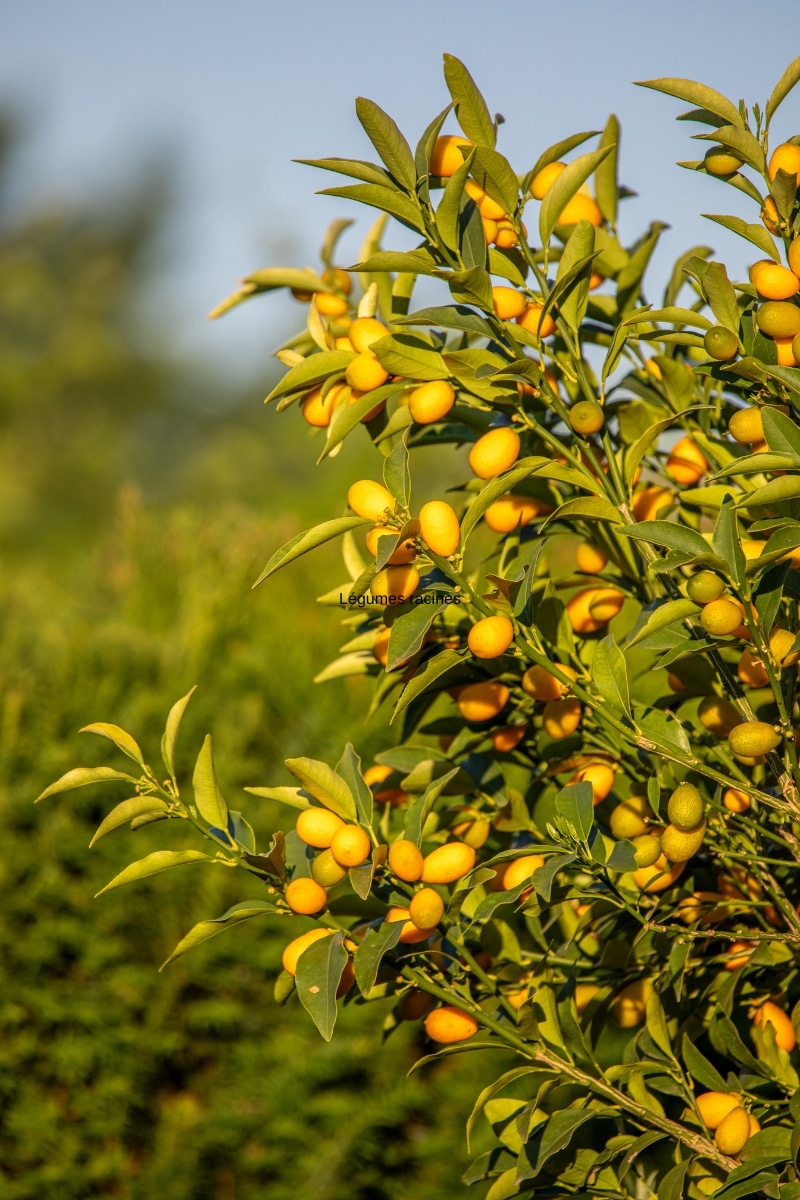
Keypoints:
pixel 581 842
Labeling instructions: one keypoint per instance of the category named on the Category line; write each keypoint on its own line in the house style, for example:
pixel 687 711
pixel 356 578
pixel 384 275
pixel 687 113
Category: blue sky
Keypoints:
pixel 234 91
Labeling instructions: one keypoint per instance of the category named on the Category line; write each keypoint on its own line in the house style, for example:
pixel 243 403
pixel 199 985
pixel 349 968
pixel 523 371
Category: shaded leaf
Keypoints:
pixel 565 187
pixel 208 929
pixel 702 97
pixel 137 806
pixel 662 615
pixel 574 804
pixel 368 956
pixel 426 675
pixel 349 769
pixel 610 674
pixel 319 972
pixel 309 540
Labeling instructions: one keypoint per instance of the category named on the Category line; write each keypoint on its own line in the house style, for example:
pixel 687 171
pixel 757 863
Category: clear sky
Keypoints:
pixel 235 90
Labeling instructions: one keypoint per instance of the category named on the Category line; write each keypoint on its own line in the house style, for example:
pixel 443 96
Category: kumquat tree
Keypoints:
pixel 581 845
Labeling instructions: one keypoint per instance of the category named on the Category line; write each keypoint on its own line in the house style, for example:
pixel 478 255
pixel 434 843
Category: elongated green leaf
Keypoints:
pixel 788 80
pixel 408 262
pixel 295 797
pixel 473 286
pixel 367 959
pixel 352 167
pixel 493 172
pixel 565 187
pixel 387 139
pixel 137 806
pixel 119 737
pixel 171 732
pixel 396 474
pixel 665 730
pixel 671 1186
pixel 699 95
pixel 81 777
pixel 663 615
pixel 407 354
pixel 208 929
pixel 424 150
pixel 777 490
pixel 207 796
pixel 348 768
pixel 574 804
pixel 756 234
pixel 408 633
pixel 387 199
pixel 494 490
pixel 322 782
pixel 559 1131
pixel 319 972
pixel 700 1068
pixel 311 371
pixel 594 508
pixel 726 543
pixel 606 185
pixel 740 142
pixel 425 676
pixel 449 316
pixel 668 533
pixel 493 1089
pixel 418 810
pixel 471 111
pixel 309 540
pixel 154 864
pixel 610 673
pixel 672 314
pixel 721 296
pixel 781 434
pixel 449 209
pixel 347 417
pixel 300 278
pixel 574 270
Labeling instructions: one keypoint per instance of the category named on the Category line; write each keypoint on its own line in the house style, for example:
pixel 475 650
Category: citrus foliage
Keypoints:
pixel 583 847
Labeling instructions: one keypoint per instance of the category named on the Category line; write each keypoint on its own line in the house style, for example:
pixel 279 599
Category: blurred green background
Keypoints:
pixel 139 498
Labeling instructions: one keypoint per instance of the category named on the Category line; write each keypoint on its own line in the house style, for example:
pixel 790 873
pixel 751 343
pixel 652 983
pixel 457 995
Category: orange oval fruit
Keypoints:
pixel 590 559
pixel 487 207
pixel 512 512
pixel 405 552
pixel 581 208
pixel 715 1106
pixel 785 157
pixel 305 896
pixel 495 452
pixel 439 528
pixel 364 373
pixel 721 617
pixel 409 934
pixel 448 863
pixel 629 1006
pixel 544 179
pixel 561 717
pixel 317 826
pixel 292 952
pixel 490 637
pixel 508 302
pixel 686 463
pixel 737 955
pixel 543 685
pixel 659 877
pixel 592 608
pixel 448 1024
pixel 371 500
pixel 751 670
pixel 719 161
pixel 718 715
pixel 330 305
pixel 600 776
pixel 479 702
pixel 779 319
pixel 531 319
pixel 770 1013
pixel 350 846
pixel 733 1131
pixel 735 800
pixel 649 502
pixel 507 739
pixel 426 909
pixel 326 871
pixel 772 281
pixel 364 331
pixel 405 860
pixel 519 870
pixel 395 583
pixel 586 417
pixel 446 157
pixel 414 1004
pixel 753 738
pixel 430 402
pixel 318 411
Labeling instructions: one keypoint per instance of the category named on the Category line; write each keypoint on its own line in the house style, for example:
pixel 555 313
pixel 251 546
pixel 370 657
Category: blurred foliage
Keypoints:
pixel 115 1080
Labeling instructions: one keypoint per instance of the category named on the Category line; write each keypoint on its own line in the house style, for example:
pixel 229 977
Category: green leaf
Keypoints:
pixel 387 139
pixel 154 864
pixel 574 270
pixel 471 111
pixel 319 972
pixel 449 208
pixel 406 262
pixel 171 732
pixel 207 796
pixel 295 797
pixel 574 804
pixel 565 187
pixel 493 172
pixel 81 777
pixel 449 316
pixel 424 150
pixel 208 929
pixel 473 286
pixel 671 1186
pixel 726 544
pixel 740 142
pixel 137 806
pixel 322 782
pixel 387 199
pixel 555 152
pixel 586 509
pixel 610 674
pixel 349 769
pixel 780 432
pixel 721 296
pixel 347 417
pixel 559 1131
pixel 122 740
pixel 787 81
pixel 756 234
pixel 668 533
pixel 396 474
pixel 408 355
pixel 775 1143
pixel 309 540
pixel 417 812
pixel 658 615
pixel 702 97
pixel 408 633
pixel 311 371
pixel 492 1090
pixel 672 314
pixel 426 675
pixel 606 185
pixel 367 959
pixel 657 1024
pixel 354 168
pixel 665 730
pixel 700 1068
pixel 622 857
pixel 544 877
pixel 755 1185
pixel 777 490
pixel 283 989
pixel 301 278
